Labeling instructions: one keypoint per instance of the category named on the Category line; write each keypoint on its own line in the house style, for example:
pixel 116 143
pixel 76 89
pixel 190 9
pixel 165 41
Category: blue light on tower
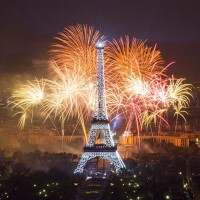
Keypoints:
pixel 115 123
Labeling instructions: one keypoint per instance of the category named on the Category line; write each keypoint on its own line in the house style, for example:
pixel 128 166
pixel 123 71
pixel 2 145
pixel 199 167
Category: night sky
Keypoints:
pixel 27 28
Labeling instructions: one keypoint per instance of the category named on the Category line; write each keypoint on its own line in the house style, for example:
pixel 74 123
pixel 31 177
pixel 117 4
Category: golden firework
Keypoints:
pixel 132 57
pixel 26 98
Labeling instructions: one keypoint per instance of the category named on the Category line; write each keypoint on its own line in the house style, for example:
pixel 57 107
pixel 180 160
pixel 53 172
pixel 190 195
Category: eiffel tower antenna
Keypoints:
pixel 100 127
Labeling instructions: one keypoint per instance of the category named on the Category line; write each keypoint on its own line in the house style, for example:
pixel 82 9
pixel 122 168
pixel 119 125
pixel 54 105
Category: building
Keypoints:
pixel 131 139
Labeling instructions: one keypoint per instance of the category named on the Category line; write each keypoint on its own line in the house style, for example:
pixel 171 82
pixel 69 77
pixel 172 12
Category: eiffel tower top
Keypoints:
pixel 100 112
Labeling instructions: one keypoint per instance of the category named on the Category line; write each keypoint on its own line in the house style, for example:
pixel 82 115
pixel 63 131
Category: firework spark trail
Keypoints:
pixel 166 93
pixel 75 48
pixel 26 98
pixel 70 94
pixel 133 57
pixel 29 95
pixel 178 90
pixel 149 101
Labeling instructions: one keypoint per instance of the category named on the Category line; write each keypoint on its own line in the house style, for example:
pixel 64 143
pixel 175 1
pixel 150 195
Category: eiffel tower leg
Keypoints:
pixel 84 159
pixel 121 163
pixel 92 137
pixel 115 158
pixel 108 136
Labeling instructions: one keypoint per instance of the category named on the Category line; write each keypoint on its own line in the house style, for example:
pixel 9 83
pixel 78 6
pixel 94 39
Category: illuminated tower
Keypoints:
pixel 100 144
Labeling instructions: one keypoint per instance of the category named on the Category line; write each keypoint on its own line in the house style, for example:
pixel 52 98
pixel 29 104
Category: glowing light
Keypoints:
pixel 100 45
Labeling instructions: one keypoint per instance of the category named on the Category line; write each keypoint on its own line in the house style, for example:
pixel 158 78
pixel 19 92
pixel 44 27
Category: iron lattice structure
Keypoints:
pixel 100 127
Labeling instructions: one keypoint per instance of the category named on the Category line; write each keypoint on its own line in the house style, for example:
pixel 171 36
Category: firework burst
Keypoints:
pixel 69 94
pixel 26 98
pixel 75 48
pixel 132 57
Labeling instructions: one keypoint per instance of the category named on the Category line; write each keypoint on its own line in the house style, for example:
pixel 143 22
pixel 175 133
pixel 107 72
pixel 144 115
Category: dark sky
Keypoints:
pixel 27 28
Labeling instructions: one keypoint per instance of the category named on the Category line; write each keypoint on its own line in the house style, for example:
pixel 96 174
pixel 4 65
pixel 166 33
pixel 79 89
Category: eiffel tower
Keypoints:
pixel 100 127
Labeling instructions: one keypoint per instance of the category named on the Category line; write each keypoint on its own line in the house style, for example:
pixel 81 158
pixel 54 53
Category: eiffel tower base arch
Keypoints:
pixel 113 157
